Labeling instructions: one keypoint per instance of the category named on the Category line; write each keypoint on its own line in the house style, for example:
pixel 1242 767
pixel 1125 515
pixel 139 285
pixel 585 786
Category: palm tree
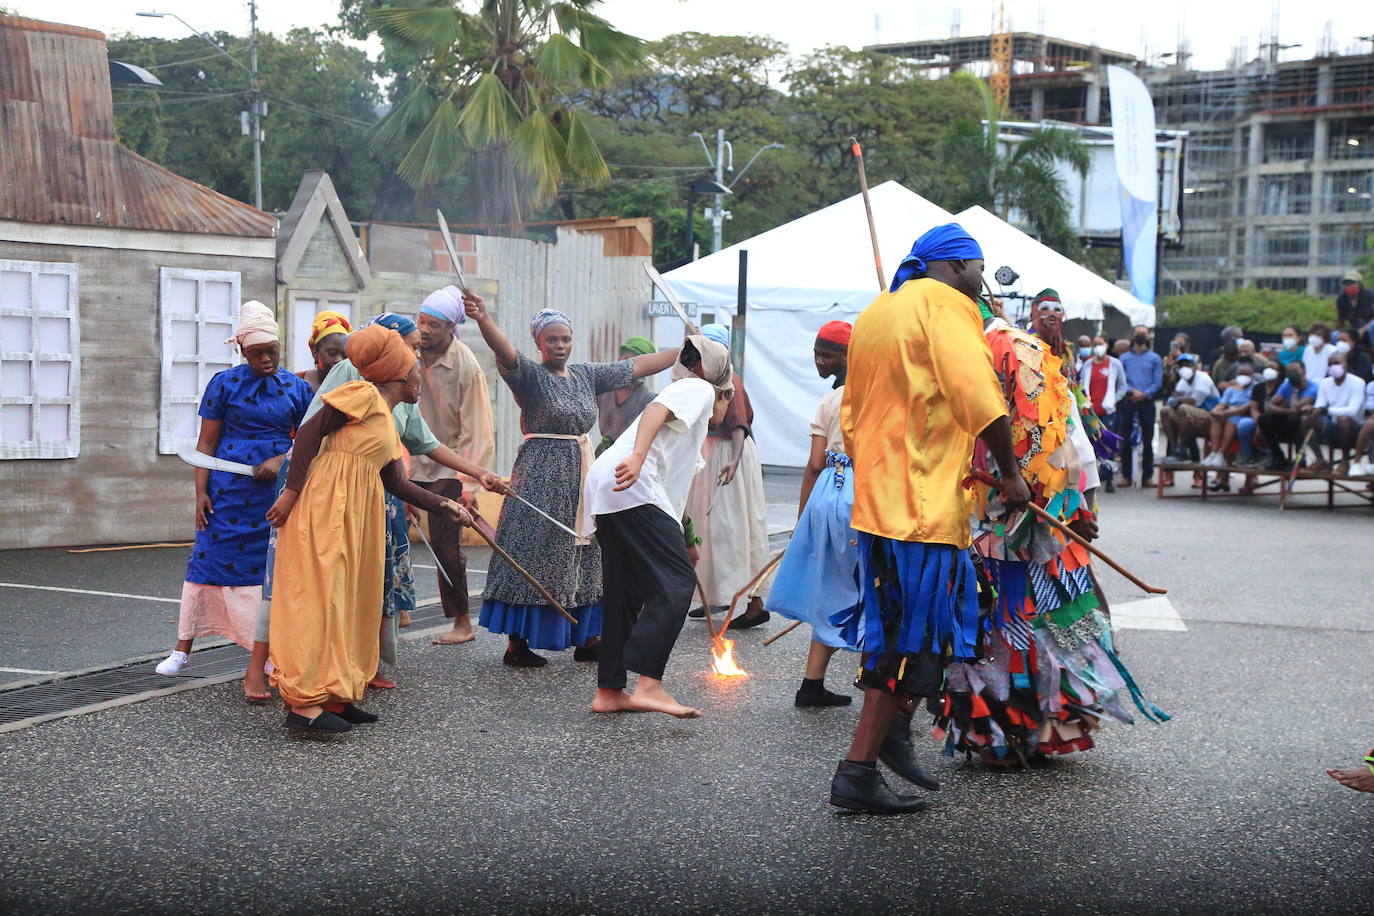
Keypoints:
pixel 493 92
pixel 1022 179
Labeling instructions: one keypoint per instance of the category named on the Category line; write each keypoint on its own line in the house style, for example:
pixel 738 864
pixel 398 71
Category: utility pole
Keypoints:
pixel 718 208
pixel 255 100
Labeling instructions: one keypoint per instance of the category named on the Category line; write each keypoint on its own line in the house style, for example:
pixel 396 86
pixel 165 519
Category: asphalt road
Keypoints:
pixel 486 789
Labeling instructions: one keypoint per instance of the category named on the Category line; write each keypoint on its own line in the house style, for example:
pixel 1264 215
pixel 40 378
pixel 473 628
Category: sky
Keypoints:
pixel 1214 28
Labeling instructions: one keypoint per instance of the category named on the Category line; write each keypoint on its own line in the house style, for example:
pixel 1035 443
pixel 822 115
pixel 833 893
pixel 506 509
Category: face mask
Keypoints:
pixel 1315 342
pixel 1244 381
pixel 1290 343
pixel 1100 350
pixel 1186 373
pixel 1335 371
pixel 1342 346
pixel 1141 340
pixel 1270 374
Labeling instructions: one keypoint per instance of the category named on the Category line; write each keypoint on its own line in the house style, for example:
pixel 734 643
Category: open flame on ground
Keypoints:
pixel 723 659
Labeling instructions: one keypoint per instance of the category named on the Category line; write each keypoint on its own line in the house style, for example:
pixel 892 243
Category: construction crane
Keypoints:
pixel 1000 41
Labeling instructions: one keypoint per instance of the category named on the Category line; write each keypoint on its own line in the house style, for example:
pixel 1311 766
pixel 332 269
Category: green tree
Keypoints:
pixel 141 127
pixel 494 93
pixel 1023 179
pixel 1265 311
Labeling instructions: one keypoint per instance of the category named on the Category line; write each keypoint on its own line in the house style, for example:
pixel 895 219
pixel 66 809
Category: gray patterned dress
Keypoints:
pixel 548 472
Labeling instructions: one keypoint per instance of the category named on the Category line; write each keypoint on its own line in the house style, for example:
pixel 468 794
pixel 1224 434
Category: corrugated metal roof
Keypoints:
pixel 62 163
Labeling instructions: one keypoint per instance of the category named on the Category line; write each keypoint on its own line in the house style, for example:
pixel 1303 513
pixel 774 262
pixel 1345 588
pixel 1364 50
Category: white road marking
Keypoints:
pixel 25 671
pixel 423 566
pixel 1156 613
pixel 86 591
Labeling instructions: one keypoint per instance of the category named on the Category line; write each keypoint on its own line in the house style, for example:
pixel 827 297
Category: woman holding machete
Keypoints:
pixel 248 414
pixel 557 410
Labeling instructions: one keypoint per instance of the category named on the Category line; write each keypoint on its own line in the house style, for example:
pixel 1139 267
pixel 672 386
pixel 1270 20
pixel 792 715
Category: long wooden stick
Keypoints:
pixel 758 577
pixel 781 633
pixel 984 477
pixel 482 527
pixel 1293 477
pixel 706 606
pixel 868 208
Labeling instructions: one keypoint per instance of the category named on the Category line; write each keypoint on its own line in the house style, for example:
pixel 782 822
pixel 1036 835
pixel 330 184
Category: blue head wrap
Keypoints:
pixel 546 317
pixel 398 323
pixel 949 242
pixel 717 332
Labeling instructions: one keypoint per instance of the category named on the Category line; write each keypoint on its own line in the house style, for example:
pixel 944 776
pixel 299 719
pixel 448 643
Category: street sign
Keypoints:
pixel 662 308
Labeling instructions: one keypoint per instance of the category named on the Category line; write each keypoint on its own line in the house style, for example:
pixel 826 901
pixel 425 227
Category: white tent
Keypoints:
pixel 817 268
pixel 1083 292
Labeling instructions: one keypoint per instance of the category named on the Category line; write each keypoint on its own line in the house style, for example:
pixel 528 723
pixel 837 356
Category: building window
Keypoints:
pixel 40 361
pixel 1343 245
pixel 1282 284
pixel 1285 195
pixel 1351 138
pixel 199 311
pixel 1348 191
pixel 1282 246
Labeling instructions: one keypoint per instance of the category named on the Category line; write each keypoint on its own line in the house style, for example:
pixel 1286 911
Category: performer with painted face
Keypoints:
pixel 557 410
pixel 1045 673
pixel 818 576
pixel 920 391
pixel 328 577
pixel 248 415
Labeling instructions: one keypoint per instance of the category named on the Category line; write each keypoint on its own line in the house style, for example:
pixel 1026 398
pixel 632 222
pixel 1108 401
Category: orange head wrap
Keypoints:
pixel 379 354
pixel 326 323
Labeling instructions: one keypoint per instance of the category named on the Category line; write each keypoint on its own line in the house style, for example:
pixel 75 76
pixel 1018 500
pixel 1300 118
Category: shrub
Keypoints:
pixel 1264 311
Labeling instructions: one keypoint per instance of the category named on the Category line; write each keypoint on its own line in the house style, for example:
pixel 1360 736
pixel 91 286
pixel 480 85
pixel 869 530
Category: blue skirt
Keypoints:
pixel 540 624
pixel 916 598
pixel 398 592
pixel 818 576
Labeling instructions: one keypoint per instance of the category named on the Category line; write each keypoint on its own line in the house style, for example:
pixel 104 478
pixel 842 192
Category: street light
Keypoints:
pixel 255 102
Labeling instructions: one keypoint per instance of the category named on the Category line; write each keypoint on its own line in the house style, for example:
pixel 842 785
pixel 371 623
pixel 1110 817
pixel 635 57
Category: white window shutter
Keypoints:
pixel 199 311
pixel 40 360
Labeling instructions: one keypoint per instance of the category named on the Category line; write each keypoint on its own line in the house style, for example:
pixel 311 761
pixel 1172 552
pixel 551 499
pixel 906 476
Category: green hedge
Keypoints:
pixel 1264 311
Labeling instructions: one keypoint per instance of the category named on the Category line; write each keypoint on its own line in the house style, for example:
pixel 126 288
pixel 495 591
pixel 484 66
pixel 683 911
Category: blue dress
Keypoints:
pixel 258 414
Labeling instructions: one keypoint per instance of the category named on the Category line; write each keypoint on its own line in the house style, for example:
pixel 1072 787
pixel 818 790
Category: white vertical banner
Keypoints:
pixel 1133 130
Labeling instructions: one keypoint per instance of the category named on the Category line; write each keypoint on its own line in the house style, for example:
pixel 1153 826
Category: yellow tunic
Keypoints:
pixel 920 388
pixel 327 592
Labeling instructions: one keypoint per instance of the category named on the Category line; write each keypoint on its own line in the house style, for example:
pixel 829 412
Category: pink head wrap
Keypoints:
pixel 257 325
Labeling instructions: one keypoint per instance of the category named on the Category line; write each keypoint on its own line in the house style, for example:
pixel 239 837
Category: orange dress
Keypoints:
pixel 327 591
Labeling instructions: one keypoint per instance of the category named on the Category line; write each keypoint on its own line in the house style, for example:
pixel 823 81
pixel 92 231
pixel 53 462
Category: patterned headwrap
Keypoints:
pixel 836 332
pixel 546 317
pixel 326 323
pixel 398 323
pixel 949 242
pixel 257 325
pixel 639 346
pixel 1046 294
pixel 717 332
pixel 379 354
pixel 445 304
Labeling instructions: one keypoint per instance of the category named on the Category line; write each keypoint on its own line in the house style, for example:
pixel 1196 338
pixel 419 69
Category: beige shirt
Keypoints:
pixel 455 404
pixel 827 421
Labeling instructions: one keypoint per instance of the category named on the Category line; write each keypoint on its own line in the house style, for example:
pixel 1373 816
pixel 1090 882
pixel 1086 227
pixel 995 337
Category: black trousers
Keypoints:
pixel 647 583
pixel 1279 429
pixel 1126 411
pixel 447 537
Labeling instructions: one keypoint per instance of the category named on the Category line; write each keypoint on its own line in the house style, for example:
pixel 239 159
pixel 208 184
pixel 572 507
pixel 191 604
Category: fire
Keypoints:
pixel 723 659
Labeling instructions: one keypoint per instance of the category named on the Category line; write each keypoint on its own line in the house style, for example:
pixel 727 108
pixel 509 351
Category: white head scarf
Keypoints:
pixel 257 325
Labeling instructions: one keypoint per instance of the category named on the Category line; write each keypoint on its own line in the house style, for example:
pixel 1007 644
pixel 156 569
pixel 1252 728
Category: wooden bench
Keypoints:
pixel 1281 483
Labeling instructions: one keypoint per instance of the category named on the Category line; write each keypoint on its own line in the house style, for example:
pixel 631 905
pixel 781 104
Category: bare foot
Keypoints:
pixel 404 620
pixel 255 685
pixel 649 696
pixel 462 632
pixel 381 683
pixel 608 701
pixel 1361 780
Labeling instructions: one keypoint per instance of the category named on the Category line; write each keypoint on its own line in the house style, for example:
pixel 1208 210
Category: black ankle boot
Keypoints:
pixel 899 755
pixel 861 788
pixel 518 654
pixel 813 693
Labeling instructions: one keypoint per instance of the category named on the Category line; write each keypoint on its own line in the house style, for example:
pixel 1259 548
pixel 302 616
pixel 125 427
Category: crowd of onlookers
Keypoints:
pixel 1308 398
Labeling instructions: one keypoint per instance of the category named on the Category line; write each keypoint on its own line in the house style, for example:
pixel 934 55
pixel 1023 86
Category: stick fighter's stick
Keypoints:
pixel 868 208
pixel 485 532
pixel 984 477
pixel 758 577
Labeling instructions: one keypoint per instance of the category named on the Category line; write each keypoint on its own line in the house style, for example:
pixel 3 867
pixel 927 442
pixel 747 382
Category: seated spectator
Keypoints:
pixel 1249 353
pixel 1318 350
pixel 1355 304
pixel 1335 417
pixel 1357 360
pixel 1233 407
pixel 1104 379
pixel 1363 465
pixel 1260 395
pixel 1224 358
pixel 1179 346
pixel 1292 346
pixel 1187 413
pixel 1281 422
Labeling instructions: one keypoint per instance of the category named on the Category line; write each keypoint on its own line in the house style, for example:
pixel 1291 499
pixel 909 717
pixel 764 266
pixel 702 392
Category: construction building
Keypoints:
pixel 1279 176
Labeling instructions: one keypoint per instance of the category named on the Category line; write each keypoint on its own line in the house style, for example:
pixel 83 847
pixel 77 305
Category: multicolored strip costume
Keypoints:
pixel 1046 672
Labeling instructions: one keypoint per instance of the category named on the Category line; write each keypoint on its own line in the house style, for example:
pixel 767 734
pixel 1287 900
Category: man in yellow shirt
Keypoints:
pixel 920 391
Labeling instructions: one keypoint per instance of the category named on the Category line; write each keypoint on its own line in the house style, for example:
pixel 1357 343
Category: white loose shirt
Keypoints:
pixel 668 469
pixel 1200 388
pixel 1343 400
pixel 1316 361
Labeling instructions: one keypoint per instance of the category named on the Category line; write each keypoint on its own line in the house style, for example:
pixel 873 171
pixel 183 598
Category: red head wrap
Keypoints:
pixel 836 332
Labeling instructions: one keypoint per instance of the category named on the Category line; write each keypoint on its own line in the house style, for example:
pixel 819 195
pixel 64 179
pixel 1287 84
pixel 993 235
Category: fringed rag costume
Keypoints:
pixel 1046 673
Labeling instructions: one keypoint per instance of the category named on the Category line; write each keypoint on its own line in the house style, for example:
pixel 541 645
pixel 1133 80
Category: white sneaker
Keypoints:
pixel 1361 469
pixel 1215 460
pixel 171 665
